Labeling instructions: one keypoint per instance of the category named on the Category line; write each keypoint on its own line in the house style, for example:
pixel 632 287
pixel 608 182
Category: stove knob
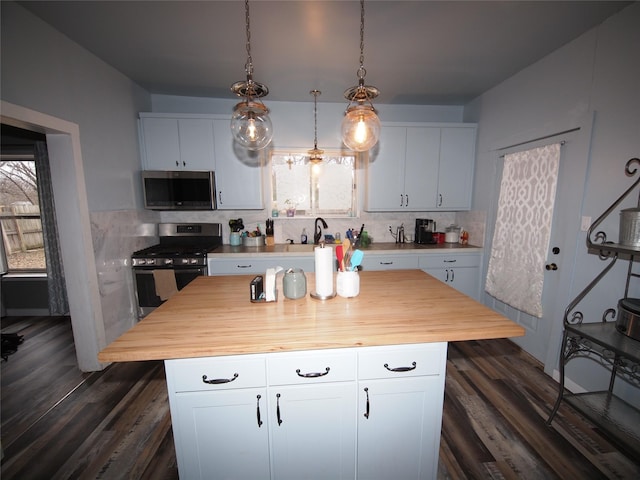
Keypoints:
pixel 168 261
pixel 194 261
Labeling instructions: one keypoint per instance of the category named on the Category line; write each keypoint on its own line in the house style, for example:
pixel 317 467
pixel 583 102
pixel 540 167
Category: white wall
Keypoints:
pixel 48 78
pixel 599 72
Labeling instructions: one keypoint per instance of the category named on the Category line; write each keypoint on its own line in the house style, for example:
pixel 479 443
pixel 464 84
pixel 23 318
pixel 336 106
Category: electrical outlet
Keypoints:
pixel 586 223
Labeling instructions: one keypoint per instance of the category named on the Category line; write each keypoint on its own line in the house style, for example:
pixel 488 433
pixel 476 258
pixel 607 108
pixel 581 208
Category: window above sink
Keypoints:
pixel 300 188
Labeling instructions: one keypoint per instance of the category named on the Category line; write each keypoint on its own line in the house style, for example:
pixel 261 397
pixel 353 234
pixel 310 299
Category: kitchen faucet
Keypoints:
pixel 318 230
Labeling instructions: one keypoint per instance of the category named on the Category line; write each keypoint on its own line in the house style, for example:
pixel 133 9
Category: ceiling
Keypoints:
pixel 416 52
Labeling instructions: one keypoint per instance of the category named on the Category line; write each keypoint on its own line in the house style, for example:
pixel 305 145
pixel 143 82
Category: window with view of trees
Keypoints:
pixel 20 214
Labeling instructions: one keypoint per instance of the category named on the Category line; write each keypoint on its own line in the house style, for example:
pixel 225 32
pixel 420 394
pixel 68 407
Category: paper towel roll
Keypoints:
pixel 324 271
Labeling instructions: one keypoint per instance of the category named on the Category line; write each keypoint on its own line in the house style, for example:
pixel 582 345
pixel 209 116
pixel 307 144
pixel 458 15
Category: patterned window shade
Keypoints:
pixel 522 232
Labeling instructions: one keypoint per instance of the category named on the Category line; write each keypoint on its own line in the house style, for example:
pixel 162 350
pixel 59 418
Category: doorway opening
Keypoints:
pixel 32 273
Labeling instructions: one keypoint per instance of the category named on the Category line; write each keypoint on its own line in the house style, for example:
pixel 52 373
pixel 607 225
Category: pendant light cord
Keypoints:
pixel 362 71
pixel 249 65
pixel 315 118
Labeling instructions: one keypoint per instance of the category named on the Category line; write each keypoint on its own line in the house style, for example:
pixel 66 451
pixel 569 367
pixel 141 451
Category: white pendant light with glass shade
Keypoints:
pixel 361 125
pixel 250 123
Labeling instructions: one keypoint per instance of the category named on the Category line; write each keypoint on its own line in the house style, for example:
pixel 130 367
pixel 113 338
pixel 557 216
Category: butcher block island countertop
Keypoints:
pixel 213 316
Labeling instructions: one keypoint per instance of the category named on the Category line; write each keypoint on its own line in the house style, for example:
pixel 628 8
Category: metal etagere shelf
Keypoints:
pixel 601 341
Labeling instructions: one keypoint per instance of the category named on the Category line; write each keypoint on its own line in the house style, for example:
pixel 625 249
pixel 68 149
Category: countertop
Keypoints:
pixel 213 316
pixel 299 249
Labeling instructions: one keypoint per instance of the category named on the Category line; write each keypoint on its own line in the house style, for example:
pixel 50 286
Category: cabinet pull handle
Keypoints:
pixel 439 199
pixel 258 412
pixel 447 270
pixel 217 381
pixel 312 374
pixel 366 414
pixel 244 266
pixel 450 261
pixel 401 200
pixel 401 369
pixel 278 408
pixel 386 263
pixel 453 274
pixel 407 203
pixel 177 163
pixel 220 197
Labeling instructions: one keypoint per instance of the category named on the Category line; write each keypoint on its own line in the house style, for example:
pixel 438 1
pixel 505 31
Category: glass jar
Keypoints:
pixel 294 284
pixel 452 234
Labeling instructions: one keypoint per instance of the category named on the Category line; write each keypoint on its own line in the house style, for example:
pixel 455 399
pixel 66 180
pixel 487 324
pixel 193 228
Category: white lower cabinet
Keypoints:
pixel 389 262
pixel 256 265
pixel 365 413
pixel 219 434
pixel 400 399
pixel 313 435
pixel 219 417
pixel 461 271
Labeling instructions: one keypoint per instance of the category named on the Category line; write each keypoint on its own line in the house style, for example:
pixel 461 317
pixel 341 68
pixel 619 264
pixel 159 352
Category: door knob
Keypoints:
pixel 551 266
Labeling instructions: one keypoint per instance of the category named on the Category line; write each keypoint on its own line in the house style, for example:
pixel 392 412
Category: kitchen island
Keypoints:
pixel 342 388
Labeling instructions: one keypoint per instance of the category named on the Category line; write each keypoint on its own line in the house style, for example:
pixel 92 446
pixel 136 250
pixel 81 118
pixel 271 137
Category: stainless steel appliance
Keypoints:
pixel 425 227
pixel 183 249
pixel 179 190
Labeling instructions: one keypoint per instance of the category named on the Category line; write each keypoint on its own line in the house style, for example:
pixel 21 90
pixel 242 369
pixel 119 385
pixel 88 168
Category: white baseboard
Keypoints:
pixel 569 384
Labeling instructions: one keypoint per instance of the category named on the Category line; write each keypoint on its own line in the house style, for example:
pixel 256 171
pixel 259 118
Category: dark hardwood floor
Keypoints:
pixel 60 423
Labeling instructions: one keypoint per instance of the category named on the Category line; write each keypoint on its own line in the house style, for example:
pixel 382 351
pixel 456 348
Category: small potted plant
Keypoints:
pixel 291 207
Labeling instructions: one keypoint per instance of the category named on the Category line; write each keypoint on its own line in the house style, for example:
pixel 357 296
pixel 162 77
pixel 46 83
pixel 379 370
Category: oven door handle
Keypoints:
pixel 149 270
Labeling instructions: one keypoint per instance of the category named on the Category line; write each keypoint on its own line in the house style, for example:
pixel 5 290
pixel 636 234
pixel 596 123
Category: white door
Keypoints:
pixel 543 335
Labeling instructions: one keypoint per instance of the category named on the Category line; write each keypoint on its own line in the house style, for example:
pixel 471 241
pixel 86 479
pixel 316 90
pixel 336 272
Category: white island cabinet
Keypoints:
pixel 277 390
pixel 366 413
pixel 220 429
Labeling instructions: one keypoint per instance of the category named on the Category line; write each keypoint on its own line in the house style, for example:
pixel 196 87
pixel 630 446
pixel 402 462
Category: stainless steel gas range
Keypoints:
pixel 170 265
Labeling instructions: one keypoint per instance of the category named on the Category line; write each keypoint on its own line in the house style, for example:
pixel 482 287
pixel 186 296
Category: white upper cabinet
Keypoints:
pixel 177 143
pixel 457 160
pixel 238 180
pixel 203 143
pixel 419 167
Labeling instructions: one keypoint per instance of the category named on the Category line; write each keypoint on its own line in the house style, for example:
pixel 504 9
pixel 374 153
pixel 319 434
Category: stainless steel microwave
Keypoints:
pixel 179 190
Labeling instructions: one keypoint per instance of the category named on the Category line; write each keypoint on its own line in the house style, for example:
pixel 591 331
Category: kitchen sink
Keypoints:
pixel 298 247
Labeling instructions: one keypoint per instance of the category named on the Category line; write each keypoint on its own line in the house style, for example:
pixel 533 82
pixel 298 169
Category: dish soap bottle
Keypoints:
pixel 303 237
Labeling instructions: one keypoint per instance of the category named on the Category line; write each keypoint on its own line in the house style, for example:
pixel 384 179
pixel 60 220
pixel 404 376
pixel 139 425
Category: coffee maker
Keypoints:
pixel 425 227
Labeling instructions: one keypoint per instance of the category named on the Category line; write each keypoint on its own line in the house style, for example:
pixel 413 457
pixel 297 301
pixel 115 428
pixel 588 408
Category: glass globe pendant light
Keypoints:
pixel 361 125
pixel 315 155
pixel 250 123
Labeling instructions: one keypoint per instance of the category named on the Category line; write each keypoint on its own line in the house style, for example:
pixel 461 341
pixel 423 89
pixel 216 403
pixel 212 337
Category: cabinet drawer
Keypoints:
pixel 389 262
pixel 407 361
pixel 186 375
pixel 314 367
pixel 257 266
pixel 450 261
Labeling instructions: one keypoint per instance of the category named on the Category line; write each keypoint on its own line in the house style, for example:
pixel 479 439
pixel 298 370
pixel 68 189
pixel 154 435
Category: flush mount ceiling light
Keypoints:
pixel 361 126
pixel 315 155
pixel 250 122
